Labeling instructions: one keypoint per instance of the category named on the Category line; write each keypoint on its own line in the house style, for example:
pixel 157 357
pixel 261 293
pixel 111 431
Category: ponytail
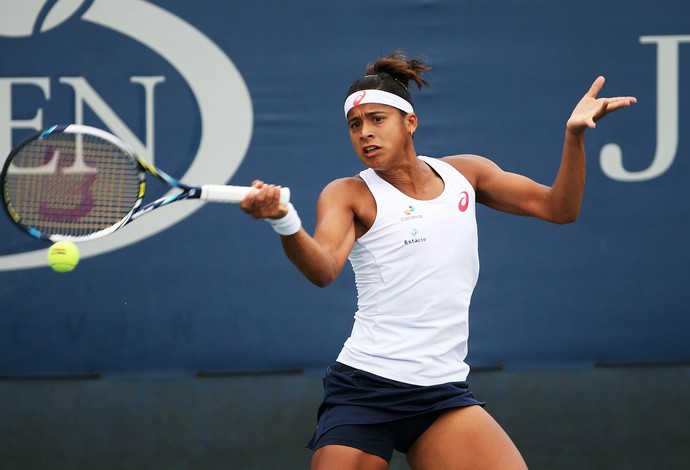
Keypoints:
pixel 392 74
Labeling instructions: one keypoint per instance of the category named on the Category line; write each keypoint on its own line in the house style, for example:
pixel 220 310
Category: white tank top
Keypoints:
pixel 415 270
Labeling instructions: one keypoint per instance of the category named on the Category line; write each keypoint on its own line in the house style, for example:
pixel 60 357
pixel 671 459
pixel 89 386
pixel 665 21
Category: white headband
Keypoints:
pixel 378 97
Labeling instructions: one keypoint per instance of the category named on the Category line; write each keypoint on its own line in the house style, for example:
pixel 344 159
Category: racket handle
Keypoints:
pixel 234 194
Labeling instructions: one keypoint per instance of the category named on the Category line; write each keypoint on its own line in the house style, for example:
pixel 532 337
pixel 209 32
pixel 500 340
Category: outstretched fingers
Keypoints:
pixel 610 105
pixel 591 109
pixel 596 87
pixel 619 102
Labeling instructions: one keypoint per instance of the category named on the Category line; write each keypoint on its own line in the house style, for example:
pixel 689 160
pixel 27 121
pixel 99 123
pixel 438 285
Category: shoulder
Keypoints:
pixel 343 187
pixel 473 167
pixel 350 192
pixel 349 195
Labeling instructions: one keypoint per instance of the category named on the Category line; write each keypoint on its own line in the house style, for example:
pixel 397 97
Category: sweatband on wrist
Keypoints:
pixel 378 97
pixel 289 224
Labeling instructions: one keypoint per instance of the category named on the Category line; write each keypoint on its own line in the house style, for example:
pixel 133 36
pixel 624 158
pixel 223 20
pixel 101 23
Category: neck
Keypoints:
pixel 415 179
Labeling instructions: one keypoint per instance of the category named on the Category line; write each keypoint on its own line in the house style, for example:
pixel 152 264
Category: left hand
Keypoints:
pixel 590 108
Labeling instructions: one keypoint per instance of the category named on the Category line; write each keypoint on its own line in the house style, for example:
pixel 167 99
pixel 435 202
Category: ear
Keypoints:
pixel 411 123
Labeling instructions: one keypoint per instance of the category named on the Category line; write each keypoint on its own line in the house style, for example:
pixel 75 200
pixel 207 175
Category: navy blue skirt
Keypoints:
pixel 354 397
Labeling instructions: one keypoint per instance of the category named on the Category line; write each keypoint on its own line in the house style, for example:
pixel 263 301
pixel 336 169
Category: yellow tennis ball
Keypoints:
pixel 63 256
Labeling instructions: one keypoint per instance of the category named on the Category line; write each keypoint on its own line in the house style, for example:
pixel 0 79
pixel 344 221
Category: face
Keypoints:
pixel 380 134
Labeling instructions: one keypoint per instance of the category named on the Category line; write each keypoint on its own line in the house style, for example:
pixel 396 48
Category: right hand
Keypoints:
pixel 263 202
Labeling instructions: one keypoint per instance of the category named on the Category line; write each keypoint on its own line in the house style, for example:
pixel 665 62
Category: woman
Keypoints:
pixel 407 224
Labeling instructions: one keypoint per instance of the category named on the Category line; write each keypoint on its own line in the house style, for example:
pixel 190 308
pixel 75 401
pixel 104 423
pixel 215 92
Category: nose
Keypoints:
pixel 365 130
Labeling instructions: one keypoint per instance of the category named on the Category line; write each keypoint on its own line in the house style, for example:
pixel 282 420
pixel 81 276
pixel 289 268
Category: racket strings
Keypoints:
pixel 72 184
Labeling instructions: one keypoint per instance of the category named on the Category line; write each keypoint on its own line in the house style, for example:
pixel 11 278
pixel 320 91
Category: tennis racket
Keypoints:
pixel 80 183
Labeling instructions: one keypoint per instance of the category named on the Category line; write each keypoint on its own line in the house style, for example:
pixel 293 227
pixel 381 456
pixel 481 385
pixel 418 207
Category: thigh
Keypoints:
pixel 465 438
pixel 337 457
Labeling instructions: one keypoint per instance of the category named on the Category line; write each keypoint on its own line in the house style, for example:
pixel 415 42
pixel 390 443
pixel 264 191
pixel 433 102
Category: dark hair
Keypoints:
pixel 392 74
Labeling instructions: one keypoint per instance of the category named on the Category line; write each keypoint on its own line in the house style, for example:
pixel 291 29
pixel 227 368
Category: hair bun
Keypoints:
pixel 401 68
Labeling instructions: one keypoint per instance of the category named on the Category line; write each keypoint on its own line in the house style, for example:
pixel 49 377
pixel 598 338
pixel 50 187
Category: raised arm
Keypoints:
pixel 516 194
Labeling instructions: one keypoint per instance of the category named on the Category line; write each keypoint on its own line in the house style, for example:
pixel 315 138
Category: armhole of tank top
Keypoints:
pixel 366 179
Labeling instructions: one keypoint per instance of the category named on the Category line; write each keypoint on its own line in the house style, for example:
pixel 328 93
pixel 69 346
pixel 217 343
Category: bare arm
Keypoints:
pixel 319 258
pixel 520 195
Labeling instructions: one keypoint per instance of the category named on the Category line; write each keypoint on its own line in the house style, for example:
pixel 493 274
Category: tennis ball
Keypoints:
pixel 63 256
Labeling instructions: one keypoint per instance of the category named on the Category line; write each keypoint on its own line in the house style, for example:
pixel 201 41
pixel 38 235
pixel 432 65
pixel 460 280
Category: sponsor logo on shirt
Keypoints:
pixel 410 215
pixel 416 237
pixel 464 201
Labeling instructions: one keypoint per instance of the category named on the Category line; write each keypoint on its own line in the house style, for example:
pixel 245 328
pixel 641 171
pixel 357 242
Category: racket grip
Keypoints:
pixel 234 194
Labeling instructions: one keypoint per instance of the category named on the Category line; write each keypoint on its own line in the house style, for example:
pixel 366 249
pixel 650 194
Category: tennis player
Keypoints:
pixel 407 224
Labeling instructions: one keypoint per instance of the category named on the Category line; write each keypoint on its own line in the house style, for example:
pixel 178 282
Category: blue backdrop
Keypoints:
pixel 239 91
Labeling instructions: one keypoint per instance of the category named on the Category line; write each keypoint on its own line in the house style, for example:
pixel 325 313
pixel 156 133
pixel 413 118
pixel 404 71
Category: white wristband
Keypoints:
pixel 287 225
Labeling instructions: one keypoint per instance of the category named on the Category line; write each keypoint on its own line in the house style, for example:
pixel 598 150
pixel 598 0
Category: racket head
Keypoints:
pixel 72 182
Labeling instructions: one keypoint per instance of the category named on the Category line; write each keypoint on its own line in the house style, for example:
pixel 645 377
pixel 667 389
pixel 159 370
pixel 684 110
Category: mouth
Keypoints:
pixel 370 150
